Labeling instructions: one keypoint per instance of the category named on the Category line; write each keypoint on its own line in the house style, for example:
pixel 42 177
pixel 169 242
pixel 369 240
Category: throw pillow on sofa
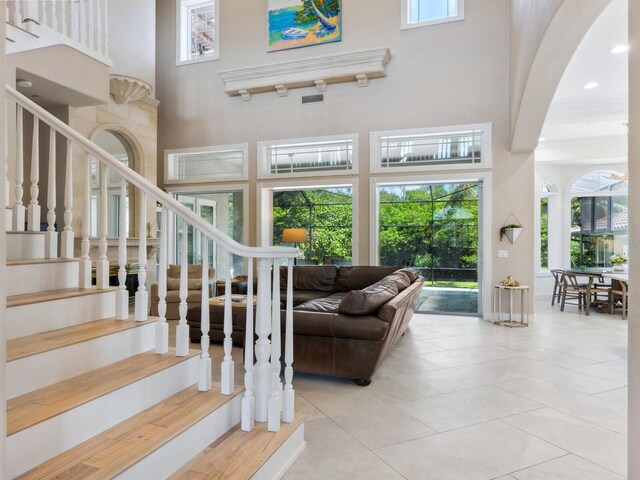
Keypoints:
pixel 368 300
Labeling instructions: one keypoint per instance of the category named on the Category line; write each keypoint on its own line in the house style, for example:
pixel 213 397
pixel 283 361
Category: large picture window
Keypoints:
pixel 420 13
pixel 197 31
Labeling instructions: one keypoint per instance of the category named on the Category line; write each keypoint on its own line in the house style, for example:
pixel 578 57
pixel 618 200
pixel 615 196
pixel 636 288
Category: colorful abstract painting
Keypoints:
pixel 302 23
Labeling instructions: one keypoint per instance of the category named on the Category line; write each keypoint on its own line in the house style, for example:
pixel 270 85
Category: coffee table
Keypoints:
pixel 237 300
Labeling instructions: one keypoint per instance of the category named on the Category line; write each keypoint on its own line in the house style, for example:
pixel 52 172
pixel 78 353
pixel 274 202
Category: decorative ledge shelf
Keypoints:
pixel 128 89
pixel 319 72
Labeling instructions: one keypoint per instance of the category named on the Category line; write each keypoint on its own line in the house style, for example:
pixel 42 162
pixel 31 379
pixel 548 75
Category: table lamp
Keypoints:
pixel 295 236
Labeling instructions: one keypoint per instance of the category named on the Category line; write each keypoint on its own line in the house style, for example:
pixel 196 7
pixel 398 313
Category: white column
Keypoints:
pixel 227 367
pixel 248 401
pixel 275 404
pixel 288 396
pixel 51 237
pixel 18 208
pixel 204 374
pixel 142 296
pixel 262 369
pixel 66 242
pixel 102 264
pixel 85 260
pixel 162 328
pixel 182 330
pixel 33 210
pixel 122 295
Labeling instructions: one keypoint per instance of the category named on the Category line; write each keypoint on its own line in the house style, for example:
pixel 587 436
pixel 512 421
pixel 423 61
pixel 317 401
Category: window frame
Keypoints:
pixel 181 31
pixel 406 24
pixel 170 165
pixel 264 169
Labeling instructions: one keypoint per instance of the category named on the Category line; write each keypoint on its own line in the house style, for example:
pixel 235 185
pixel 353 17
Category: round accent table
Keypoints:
pixel 497 305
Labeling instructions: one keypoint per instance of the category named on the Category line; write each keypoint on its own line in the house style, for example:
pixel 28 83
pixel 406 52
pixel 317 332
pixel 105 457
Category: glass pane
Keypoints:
pixel 619 215
pixel 601 214
pixel 423 10
pixel 310 157
pixel 544 233
pixel 202 29
pixel 208 165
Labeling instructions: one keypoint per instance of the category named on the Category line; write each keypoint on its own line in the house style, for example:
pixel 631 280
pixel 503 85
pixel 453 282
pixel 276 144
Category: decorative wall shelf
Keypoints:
pixel 318 71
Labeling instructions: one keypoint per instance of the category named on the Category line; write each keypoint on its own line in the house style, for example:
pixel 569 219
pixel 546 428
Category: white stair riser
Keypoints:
pixel 172 455
pixel 41 317
pixel 32 446
pixel 25 246
pixel 283 458
pixel 41 277
pixel 37 371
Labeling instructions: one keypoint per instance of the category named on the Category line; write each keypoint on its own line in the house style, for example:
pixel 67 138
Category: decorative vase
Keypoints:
pixel 618 268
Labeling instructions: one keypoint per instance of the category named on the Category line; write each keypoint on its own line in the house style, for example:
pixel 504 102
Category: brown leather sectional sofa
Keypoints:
pixel 345 319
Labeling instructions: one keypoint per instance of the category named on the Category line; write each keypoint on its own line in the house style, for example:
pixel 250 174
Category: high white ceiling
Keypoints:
pixel 577 113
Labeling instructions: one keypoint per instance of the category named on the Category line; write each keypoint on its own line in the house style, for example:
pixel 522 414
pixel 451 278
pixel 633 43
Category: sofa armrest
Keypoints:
pixel 404 301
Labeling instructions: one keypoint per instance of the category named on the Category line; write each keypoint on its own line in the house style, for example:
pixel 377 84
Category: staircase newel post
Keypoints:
pixel 51 237
pixel 142 296
pixel 85 261
pixel 275 404
pixel 288 396
pixel 162 328
pixel 204 374
pixel 263 344
pixel 18 208
pixel 248 401
pixel 122 295
pixel 182 330
pixel 66 239
pixel 33 210
pixel 102 264
pixel 227 367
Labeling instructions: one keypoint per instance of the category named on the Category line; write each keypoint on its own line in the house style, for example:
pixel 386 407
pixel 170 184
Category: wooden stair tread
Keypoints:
pixel 50 295
pixel 38 261
pixel 117 449
pixel 43 342
pixel 34 407
pixel 238 454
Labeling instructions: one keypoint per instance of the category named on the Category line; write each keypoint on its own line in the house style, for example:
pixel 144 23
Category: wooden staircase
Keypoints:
pixel 88 397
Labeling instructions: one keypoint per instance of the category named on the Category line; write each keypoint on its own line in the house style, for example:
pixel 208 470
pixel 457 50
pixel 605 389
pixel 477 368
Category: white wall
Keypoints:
pixel 132 32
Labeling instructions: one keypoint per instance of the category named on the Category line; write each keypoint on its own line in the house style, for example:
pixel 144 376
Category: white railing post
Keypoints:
pixel 182 330
pixel 122 295
pixel 18 208
pixel 204 374
pixel 66 240
pixel 104 45
pixel 102 264
pixel 142 296
pixel 275 404
pixel 33 210
pixel 289 395
pixel 85 260
pixel 162 328
pixel 263 344
pixel 51 237
pixel 248 401
pixel 227 367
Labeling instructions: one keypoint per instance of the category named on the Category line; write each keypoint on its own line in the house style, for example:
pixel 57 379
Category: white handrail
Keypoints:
pixel 146 186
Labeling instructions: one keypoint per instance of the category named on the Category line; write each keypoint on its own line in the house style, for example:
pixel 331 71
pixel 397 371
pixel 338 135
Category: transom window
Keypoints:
pixel 305 157
pixel 419 13
pixel 197 31
pixel 206 164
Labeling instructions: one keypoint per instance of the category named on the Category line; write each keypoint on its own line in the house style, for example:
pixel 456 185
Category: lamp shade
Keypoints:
pixel 295 235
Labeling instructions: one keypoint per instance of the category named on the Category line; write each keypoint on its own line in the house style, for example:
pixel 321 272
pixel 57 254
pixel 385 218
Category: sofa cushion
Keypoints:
pixel 359 277
pixel 368 300
pixel 318 324
pixel 400 278
pixel 192 283
pixel 328 304
pixel 301 296
pixel 310 277
pixel 410 272
pixel 194 296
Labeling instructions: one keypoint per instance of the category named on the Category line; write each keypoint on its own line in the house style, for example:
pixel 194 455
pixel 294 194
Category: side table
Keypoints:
pixel 497 301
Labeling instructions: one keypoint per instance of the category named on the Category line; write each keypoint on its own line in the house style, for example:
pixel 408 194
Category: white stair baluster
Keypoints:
pixel 102 264
pixel 18 208
pixel 66 241
pixel 142 296
pixel 85 260
pixel 63 15
pixel 104 47
pixel 182 330
pixel 98 27
pixel 53 19
pixel 81 18
pixel 275 405
pixel 248 401
pixel 204 373
pixel 122 295
pixel 88 19
pixel 262 369
pixel 288 396
pixel 7 183
pixel 162 328
pixel 33 210
pixel 227 367
pixel 51 237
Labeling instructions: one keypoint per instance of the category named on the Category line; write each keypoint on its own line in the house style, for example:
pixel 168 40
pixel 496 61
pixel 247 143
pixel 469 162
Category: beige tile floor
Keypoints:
pixel 464 399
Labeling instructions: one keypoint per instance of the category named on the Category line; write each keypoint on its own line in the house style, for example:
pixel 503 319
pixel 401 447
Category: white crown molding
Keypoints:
pixel 318 71
pixel 128 89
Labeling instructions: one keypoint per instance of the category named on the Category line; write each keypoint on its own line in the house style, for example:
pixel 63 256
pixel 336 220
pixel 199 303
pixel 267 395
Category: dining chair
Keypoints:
pixel 617 292
pixel 584 293
pixel 558 285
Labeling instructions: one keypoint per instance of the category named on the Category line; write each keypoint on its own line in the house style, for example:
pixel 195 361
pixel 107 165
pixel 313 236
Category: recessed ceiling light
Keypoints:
pixel 24 83
pixel 591 85
pixel 619 49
